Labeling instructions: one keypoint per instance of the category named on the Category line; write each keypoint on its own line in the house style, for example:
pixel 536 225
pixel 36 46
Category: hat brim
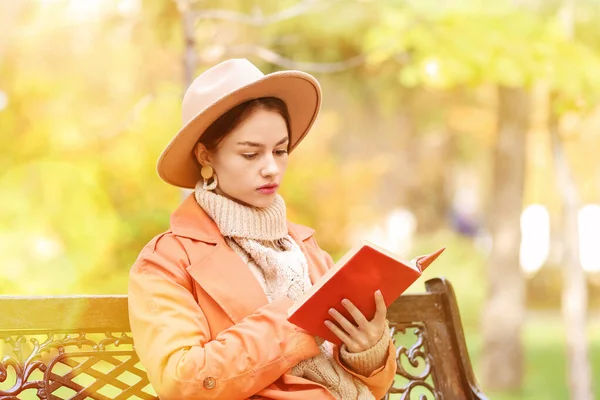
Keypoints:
pixel 299 91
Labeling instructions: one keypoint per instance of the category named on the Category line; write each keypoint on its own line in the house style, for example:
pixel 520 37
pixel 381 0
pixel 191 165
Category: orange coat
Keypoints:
pixel 203 327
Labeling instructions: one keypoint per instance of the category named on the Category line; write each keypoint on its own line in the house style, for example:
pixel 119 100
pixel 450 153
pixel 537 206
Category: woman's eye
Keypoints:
pixel 249 156
pixel 280 152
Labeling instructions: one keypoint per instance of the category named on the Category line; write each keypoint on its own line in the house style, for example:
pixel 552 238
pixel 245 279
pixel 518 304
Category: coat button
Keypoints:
pixel 209 383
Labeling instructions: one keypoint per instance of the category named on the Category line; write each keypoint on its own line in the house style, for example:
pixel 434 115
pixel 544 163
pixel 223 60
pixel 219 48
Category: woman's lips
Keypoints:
pixel 268 189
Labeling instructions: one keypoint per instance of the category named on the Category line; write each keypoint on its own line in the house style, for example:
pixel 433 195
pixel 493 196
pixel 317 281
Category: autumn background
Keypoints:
pixel 467 124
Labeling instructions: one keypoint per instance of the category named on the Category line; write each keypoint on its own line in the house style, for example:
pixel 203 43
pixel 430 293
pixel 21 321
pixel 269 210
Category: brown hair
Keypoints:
pixel 218 130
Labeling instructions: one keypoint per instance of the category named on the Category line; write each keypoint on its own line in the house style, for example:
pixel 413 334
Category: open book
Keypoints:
pixel 356 276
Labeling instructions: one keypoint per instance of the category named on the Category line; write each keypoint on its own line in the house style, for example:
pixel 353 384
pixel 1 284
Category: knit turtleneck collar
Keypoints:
pixel 240 221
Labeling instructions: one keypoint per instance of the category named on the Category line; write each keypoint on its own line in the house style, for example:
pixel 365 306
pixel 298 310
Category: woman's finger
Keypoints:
pixel 358 316
pixel 346 325
pixel 380 307
pixel 343 336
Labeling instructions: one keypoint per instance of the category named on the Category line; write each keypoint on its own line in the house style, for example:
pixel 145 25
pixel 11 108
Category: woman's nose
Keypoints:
pixel 270 168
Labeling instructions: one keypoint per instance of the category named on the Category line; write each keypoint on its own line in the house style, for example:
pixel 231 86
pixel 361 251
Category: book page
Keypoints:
pixel 412 263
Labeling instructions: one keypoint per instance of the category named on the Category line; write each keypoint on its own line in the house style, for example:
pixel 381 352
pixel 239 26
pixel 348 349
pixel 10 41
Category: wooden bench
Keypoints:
pixel 78 347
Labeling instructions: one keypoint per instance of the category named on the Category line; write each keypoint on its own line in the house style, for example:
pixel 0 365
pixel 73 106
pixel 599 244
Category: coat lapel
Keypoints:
pixel 229 281
pixel 221 272
pixel 217 269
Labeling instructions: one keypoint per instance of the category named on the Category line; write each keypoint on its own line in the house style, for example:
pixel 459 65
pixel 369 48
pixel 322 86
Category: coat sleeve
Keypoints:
pixel 381 379
pixel 172 337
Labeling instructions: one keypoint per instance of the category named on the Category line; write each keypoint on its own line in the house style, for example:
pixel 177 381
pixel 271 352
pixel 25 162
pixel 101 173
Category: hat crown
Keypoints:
pixel 215 83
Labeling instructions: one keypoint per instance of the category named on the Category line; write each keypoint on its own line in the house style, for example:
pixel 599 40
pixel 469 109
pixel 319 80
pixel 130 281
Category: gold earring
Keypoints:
pixel 207 173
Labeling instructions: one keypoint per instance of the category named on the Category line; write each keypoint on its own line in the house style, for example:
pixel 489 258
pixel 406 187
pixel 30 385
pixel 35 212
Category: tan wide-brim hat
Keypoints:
pixel 223 87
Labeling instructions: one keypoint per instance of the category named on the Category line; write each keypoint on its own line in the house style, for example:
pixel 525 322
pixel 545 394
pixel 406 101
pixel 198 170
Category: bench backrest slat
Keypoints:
pixel 64 314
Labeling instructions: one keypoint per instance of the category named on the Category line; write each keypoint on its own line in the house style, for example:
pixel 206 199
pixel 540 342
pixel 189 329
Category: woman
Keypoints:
pixel 208 299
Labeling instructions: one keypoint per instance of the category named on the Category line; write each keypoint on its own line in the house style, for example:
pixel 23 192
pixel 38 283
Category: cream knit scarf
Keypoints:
pixel 260 237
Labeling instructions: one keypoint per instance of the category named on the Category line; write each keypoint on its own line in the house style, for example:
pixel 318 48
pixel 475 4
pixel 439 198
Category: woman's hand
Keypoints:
pixel 363 334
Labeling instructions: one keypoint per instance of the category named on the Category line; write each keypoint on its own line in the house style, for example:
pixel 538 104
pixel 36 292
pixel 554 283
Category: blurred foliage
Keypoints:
pixel 505 45
pixel 93 96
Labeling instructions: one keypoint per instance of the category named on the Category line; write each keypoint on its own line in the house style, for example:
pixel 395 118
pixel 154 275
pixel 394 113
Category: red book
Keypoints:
pixel 356 276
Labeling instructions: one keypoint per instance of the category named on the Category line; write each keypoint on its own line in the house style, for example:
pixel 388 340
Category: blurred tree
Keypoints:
pixel 574 296
pixel 504 312
pixel 446 47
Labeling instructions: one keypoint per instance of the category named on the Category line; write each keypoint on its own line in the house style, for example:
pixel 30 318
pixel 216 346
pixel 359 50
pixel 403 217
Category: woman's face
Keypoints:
pixel 251 160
